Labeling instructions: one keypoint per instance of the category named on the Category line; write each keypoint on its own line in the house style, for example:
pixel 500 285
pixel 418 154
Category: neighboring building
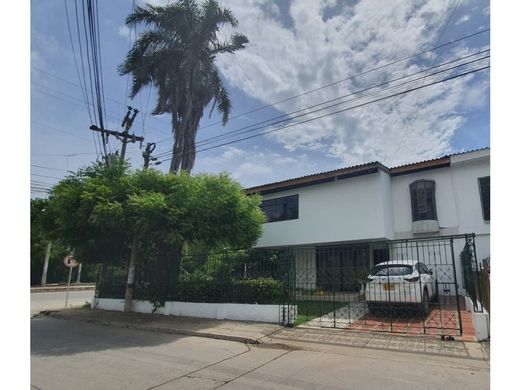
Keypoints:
pixel 363 205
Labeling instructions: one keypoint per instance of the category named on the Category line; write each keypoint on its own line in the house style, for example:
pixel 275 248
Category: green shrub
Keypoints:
pixel 200 287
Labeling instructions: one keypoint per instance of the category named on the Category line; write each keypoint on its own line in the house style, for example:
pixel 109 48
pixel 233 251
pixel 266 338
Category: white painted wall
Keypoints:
pixel 457 194
pixel 387 198
pixel 348 209
pixel 220 311
pixel 444 199
pixel 377 206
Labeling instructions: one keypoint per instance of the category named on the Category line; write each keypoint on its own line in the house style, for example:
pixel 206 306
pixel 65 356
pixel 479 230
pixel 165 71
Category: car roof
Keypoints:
pixel 398 262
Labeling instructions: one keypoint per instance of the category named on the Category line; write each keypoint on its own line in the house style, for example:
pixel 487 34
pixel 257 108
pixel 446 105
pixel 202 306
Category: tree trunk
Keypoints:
pixel 129 293
pixel 178 146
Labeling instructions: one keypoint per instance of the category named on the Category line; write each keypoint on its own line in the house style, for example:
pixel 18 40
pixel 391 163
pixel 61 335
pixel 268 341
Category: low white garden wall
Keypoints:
pixel 220 311
pixel 480 321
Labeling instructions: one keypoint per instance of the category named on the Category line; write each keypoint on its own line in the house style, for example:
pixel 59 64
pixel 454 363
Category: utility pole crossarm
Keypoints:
pixel 130 137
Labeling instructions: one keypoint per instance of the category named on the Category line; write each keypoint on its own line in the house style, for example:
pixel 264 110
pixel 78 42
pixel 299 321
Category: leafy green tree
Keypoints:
pixel 176 55
pixel 40 238
pixel 86 212
pixel 111 215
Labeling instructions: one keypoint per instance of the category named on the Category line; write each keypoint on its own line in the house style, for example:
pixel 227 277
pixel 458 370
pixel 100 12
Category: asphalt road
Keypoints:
pixel 56 300
pixel 77 355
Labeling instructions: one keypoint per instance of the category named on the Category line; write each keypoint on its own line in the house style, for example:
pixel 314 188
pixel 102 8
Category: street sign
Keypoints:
pixel 70 262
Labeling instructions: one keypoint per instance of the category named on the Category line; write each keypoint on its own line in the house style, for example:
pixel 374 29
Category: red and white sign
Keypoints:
pixel 70 262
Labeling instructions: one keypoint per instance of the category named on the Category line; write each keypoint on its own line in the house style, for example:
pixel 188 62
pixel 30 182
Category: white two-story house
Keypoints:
pixel 361 206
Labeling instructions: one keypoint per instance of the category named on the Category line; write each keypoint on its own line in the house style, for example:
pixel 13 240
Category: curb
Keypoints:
pixel 60 288
pixel 160 329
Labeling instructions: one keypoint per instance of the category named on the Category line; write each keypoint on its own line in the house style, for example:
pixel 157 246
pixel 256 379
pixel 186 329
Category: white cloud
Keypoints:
pixel 124 31
pixel 286 59
pixel 463 19
pixel 257 167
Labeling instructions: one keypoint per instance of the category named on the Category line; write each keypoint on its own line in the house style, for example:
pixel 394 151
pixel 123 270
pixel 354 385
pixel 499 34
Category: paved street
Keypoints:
pixel 56 300
pixel 68 354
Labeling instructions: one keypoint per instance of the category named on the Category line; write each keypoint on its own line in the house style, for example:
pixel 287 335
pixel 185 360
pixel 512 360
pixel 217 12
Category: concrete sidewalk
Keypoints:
pixel 308 338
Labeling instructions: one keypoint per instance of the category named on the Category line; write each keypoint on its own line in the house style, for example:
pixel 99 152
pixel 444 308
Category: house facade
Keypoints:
pixel 359 208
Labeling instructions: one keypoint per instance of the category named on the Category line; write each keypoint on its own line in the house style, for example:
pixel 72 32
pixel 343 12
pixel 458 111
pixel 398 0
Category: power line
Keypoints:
pixel 85 96
pixel 52 169
pixel 63 155
pixel 290 116
pixel 328 85
pixel 49 177
pixel 61 131
pixel 408 122
pixel 155 130
pixel 345 109
pixel 349 78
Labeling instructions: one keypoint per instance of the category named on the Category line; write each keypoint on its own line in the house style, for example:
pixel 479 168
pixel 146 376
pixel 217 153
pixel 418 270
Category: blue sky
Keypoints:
pixel 294 47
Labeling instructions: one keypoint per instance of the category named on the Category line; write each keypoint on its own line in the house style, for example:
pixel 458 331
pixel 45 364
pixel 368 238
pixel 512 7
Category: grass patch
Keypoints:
pixel 309 310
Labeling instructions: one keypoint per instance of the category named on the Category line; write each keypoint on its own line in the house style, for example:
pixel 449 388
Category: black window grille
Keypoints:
pixel 422 194
pixel 280 209
pixel 484 187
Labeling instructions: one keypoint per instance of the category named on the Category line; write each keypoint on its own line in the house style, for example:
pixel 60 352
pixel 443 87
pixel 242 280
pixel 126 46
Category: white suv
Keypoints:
pixel 400 282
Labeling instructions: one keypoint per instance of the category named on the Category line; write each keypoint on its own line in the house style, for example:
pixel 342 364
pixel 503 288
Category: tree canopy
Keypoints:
pixel 176 55
pixel 99 211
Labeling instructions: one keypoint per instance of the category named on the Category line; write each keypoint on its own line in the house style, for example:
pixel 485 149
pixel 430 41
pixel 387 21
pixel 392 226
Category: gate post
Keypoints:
pixel 456 285
pixel 477 274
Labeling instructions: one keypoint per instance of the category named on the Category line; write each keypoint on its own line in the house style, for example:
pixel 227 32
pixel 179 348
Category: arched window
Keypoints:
pixel 422 194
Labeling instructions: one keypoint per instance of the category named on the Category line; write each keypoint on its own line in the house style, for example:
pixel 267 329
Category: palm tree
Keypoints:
pixel 176 55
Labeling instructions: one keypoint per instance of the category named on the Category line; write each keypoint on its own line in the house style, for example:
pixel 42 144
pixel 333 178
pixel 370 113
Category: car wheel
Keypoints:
pixel 425 303
pixel 371 308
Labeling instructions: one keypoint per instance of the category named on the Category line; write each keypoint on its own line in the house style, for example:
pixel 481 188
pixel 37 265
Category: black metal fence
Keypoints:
pixel 348 286
pixel 472 275
pixel 252 276
pixel 397 286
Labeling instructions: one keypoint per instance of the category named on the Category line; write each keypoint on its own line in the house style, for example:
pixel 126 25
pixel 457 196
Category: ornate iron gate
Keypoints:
pixel 355 286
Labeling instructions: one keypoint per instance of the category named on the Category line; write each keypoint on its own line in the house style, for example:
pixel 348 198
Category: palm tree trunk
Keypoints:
pixel 178 145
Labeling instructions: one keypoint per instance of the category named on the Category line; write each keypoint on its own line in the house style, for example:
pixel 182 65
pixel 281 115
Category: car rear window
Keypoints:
pixel 392 270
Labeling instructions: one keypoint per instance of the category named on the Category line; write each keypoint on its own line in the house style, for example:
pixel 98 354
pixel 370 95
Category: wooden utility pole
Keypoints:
pixel 125 137
pixel 127 124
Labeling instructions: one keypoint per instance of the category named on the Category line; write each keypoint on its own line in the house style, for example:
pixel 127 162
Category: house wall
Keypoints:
pixel 343 210
pixel 444 198
pixel 378 207
pixel 388 207
pixel 457 198
pixel 465 174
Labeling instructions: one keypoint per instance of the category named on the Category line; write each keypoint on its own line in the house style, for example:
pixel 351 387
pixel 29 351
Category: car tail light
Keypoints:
pixel 414 279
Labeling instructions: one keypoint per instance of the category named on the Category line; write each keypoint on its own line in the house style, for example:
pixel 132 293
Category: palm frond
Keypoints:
pixel 237 42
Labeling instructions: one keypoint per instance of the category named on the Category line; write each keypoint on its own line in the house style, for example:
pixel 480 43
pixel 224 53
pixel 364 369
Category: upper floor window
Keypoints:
pixel 422 194
pixel 484 187
pixel 280 209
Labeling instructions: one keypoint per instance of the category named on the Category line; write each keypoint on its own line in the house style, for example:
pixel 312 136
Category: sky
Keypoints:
pixel 295 47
